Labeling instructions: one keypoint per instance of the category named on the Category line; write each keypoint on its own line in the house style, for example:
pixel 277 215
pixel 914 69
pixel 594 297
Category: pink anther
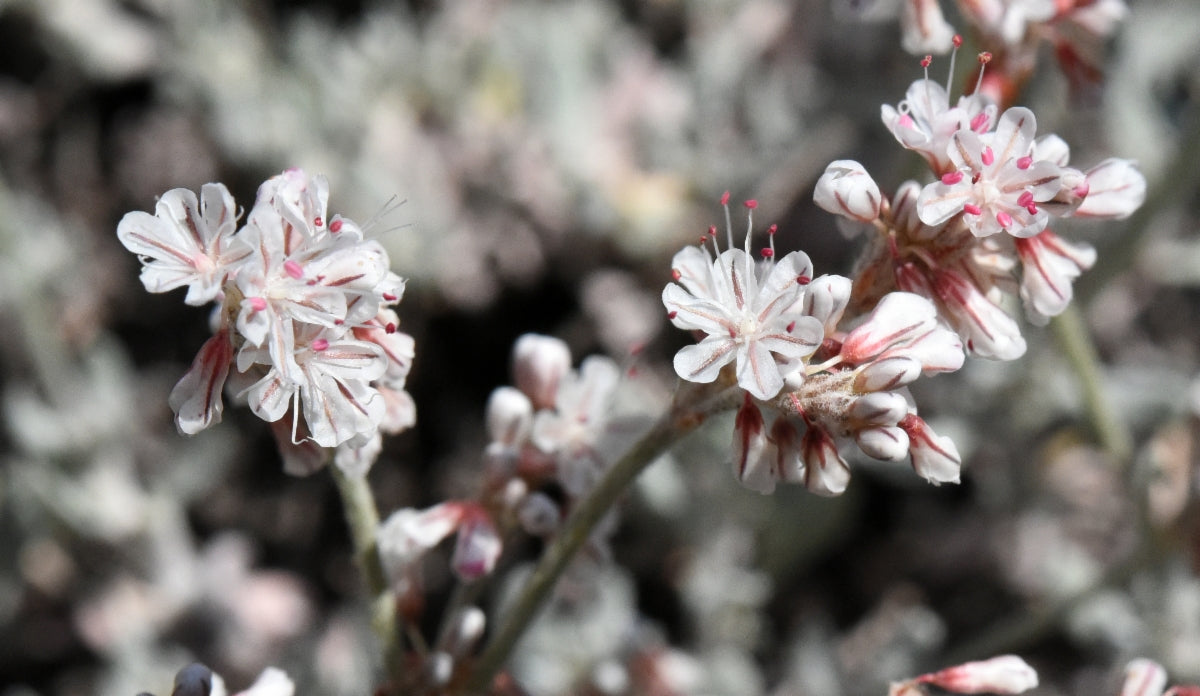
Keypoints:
pixel 258 304
pixel 1004 219
pixel 293 269
pixel 952 178
pixel 319 345
pixel 1024 162
pixel 987 156
pixel 972 209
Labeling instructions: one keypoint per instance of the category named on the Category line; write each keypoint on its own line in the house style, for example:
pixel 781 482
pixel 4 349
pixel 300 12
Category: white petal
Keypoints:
pixel 939 202
pixel 1115 189
pixel 196 398
pixel 692 268
pixel 752 451
pixel 900 317
pixel 887 443
pixel 1013 137
pixel 825 300
pixel 757 371
pixel 934 457
pixel 825 472
pixel 703 361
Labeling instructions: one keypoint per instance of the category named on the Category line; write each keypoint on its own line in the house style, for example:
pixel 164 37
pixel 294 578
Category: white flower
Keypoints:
pixel 186 242
pixel 996 184
pixel 1049 264
pixel 749 312
pixel 1007 674
pixel 572 429
pixel 925 122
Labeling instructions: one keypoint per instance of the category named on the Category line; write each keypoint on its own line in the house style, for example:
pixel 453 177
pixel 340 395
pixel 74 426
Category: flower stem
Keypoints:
pixel 362 518
pixel 685 415
pixel 1073 336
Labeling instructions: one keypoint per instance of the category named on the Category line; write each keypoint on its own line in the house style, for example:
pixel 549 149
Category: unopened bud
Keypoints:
pixel 1144 678
pixel 479 545
pixel 1007 674
pixel 887 443
pixel 847 189
pixel 899 317
pixel 539 363
pixel 509 416
pixel 934 457
pixel 825 300
pixel 889 373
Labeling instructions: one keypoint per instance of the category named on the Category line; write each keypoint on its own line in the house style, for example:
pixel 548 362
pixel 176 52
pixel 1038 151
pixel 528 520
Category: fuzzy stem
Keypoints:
pixel 1076 341
pixel 685 415
pixel 362 518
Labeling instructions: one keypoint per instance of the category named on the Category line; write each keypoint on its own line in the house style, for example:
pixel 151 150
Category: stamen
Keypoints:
pixel 293 269
pixel 390 297
pixel 335 226
pixel 319 345
pixel 984 59
pixel 791 326
pixel 803 280
pixel 925 63
pixel 676 274
pixel 771 237
pixel 972 209
pixel 987 156
pixel 318 222
pixel 1025 199
pixel 728 221
pixel 1082 189
pixel 258 304
pixel 979 123
pixel 957 41
pixel 767 252
pixel 672 314
pixel 952 178
pixel 1033 209
pixel 1004 219
pixel 1024 162
pixel 390 328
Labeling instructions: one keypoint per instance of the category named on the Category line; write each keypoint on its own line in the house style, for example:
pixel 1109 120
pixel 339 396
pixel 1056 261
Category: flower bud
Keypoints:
pixel 934 457
pixel 847 189
pixel 878 408
pixel 887 443
pixel 1007 674
pixel 1115 189
pixel 939 350
pixel 752 450
pixel 825 472
pixel 539 362
pixel 509 416
pixel 825 299
pixel 898 318
pixel 478 546
pixel 1144 678
pixel 539 515
pixel 886 374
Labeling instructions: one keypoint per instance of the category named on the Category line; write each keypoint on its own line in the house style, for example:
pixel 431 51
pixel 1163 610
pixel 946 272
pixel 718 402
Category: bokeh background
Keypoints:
pixel 532 166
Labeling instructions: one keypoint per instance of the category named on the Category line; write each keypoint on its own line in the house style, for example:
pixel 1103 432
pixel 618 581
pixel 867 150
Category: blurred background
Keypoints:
pixel 532 166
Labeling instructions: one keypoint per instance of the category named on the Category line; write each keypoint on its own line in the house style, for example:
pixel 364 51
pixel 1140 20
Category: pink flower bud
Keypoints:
pixel 1007 674
pixel 1144 678
pixel 847 189
pixel 539 363
pixel 751 449
pixel 825 300
pixel 825 472
pixel 934 457
pixel 899 317
pixel 878 408
pixel 1115 189
pixel 478 546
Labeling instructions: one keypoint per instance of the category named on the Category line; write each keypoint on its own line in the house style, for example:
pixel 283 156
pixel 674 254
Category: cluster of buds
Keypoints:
pixel 303 311
pixel 1078 30
pixel 781 331
pixel 978 232
pixel 545 437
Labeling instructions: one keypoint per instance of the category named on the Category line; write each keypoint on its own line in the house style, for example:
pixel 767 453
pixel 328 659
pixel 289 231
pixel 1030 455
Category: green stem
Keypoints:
pixel 677 422
pixel 1076 342
pixel 362 518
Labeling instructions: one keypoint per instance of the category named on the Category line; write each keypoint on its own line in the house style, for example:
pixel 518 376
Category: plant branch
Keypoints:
pixel 685 415
pixel 362 518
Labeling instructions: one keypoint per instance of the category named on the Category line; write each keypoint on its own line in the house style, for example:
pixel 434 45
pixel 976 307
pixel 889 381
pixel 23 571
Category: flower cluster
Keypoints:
pixel 980 231
pixel 818 384
pixel 303 313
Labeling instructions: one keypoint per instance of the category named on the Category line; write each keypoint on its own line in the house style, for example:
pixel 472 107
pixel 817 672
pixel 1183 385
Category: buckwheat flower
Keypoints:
pixel 925 122
pixel 924 27
pixel 847 189
pixel 749 312
pixel 187 242
pixel 996 185
pixel 332 388
pixel 539 363
pixel 1115 189
pixel 196 398
pixel 572 430
pixel 407 534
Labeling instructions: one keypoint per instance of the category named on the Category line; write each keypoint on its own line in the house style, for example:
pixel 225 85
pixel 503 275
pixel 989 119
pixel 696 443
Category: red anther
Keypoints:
pixel 751 204
pixel 1033 209
pixel 1025 199
pixel 672 314
pixel 976 177
pixel 979 122
pixel 733 334
pixel 390 297
pixel 1004 219
pixel 987 156
pixel 712 230
pixel 338 322
pixel 952 178
pixel 985 58
pixel 791 325
pixel 772 229
pixel 293 269
pixel 803 280
pixel 312 281
pixel 319 345
pixel 317 221
pixel 768 253
pixel 391 327
pixel 725 198
pixel 1024 162
pixel 1082 189
pixel 957 40
pixel 926 61
pixel 335 226
pixel 258 304
pixel 972 209
pixel 675 274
